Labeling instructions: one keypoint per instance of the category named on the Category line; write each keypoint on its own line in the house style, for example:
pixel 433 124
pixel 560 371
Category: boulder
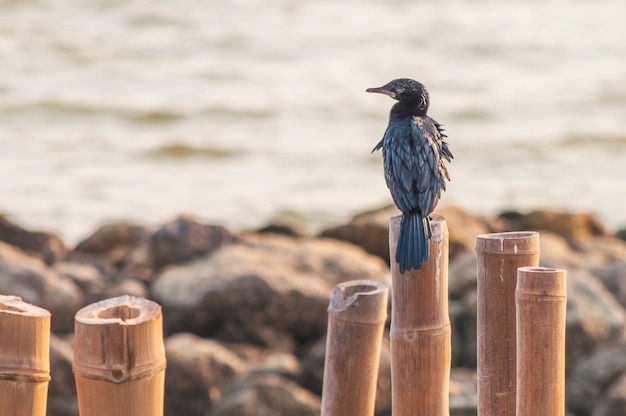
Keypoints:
pixel 463 313
pixel 463 395
pixel 614 402
pixel 594 318
pixel 36 283
pixel 613 277
pixel 198 371
pixel 463 228
pixel 91 281
pixel 120 249
pixel 368 230
pixel 601 250
pixel 270 290
pixel 62 400
pixel 185 239
pixel 593 377
pixel 574 227
pixel 267 395
pixel 287 223
pixel 47 247
pixel 462 275
pixel 115 241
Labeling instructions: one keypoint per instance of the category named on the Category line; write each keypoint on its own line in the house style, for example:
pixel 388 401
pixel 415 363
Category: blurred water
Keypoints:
pixel 236 110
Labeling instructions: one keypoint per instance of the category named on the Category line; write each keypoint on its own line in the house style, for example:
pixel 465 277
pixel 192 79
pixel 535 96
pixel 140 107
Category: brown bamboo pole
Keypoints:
pixel 24 358
pixel 119 358
pixel 540 299
pixel 356 320
pixel 498 257
pixel 420 329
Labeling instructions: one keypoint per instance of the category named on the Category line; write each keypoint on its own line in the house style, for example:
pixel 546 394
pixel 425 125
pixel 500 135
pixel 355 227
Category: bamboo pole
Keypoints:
pixel 541 299
pixel 24 358
pixel 356 320
pixel 119 358
pixel 420 329
pixel 498 257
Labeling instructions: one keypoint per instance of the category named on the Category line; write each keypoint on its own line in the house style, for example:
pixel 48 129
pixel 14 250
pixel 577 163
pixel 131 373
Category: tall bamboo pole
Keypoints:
pixel 541 299
pixel 498 257
pixel 420 329
pixel 356 320
pixel 119 358
pixel 24 358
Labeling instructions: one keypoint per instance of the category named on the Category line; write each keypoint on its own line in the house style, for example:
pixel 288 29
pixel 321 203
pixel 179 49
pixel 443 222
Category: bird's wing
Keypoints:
pixel 414 164
pixel 379 145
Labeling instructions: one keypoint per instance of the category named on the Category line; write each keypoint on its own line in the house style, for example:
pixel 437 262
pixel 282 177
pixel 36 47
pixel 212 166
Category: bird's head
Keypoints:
pixel 409 93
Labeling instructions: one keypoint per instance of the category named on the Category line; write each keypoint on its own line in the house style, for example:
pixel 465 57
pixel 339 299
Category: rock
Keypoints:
pixel 613 403
pixel 106 268
pixel 311 374
pixel 271 291
pixel 90 280
pixel 185 239
pixel 198 371
pixel 368 230
pixel 462 275
pixel 464 328
pixel 462 228
pixel 593 377
pixel 36 283
pixel 556 252
pixel 594 318
pixel 267 395
pixel 463 396
pixel 131 287
pixel 62 400
pixel 602 250
pixel 613 277
pixel 115 241
pixel 120 249
pixel 575 227
pixel 45 246
pixel 282 364
pixel 287 223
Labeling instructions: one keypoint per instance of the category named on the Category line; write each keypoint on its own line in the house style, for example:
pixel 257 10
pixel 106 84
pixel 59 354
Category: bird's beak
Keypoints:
pixel 382 90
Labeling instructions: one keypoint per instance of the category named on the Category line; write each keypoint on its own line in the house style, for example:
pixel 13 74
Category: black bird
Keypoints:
pixel 413 154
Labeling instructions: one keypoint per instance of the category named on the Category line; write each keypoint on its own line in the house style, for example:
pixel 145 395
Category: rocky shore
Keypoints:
pixel 245 313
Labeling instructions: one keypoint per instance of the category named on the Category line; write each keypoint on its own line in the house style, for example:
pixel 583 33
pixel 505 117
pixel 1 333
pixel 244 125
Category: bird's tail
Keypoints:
pixel 412 248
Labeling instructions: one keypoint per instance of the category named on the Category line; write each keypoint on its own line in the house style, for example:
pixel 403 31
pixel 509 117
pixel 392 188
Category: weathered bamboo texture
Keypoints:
pixel 498 257
pixel 420 329
pixel 119 358
pixel 356 320
pixel 541 300
pixel 24 358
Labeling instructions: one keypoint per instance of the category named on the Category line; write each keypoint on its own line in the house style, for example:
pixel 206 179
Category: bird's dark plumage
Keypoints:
pixel 414 154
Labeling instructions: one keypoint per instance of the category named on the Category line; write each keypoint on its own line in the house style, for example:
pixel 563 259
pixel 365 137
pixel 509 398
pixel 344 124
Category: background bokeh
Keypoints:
pixel 235 111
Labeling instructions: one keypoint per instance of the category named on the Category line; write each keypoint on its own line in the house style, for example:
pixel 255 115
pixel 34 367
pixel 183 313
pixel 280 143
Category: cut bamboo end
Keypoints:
pixel 499 255
pixel 420 329
pixel 24 357
pixel 119 358
pixel 541 301
pixel 360 301
pixel 513 242
pixel 357 315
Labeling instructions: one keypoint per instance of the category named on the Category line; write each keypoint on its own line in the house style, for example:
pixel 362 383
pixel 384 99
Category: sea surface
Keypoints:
pixel 239 111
